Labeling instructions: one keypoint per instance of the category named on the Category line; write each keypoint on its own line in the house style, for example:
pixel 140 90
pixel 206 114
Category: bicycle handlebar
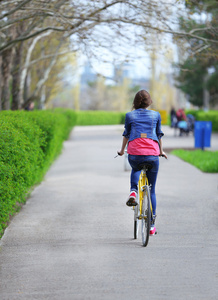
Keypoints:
pixel 118 154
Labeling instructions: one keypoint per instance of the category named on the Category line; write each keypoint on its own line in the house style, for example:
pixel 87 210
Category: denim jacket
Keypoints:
pixel 143 123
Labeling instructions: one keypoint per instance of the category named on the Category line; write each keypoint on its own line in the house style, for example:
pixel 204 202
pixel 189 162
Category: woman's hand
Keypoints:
pixel 163 154
pixel 121 152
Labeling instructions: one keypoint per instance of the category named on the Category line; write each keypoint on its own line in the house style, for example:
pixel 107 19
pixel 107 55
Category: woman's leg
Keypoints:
pixel 134 160
pixel 152 178
pixel 134 178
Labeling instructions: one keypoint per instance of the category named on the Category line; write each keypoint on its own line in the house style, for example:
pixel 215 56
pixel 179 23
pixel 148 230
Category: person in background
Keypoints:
pixel 181 121
pixel 30 106
pixel 173 118
pixel 180 114
pixel 143 135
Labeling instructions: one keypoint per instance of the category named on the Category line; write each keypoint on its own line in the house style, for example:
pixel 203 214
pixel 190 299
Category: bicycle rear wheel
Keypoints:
pixel 146 216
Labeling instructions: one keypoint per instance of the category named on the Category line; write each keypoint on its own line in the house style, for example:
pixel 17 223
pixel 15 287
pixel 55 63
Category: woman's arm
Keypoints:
pixel 124 143
pixel 162 153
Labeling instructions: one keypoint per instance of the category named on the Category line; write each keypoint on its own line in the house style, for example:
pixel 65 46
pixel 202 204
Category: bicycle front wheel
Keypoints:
pixel 146 217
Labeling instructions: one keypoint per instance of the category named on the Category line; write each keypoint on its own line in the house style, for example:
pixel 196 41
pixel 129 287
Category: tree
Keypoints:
pixel 91 26
pixel 201 21
pixel 27 65
pixel 161 89
pixel 194 76
pixel 16 71
pixel 61 77
pixel 81 17
pixel 212 85
pixel 191 81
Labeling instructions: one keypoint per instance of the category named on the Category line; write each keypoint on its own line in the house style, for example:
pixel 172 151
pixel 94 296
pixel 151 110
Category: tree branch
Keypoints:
pixel 10 12
pixel 24 38
pixel 49 56
pixel 201 29
pixel 132 22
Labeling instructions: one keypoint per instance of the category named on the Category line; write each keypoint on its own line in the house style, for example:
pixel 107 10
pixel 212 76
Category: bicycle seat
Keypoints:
pixel 145 166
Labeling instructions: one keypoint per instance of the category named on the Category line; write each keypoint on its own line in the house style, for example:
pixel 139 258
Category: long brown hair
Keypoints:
pixel 142 100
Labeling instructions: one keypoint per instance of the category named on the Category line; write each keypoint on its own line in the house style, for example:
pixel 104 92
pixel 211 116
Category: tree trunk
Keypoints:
pixel 24 72
pixel 16 69
pixel 6 73
pixel 206 94
pixel 42 81
pixel 16 74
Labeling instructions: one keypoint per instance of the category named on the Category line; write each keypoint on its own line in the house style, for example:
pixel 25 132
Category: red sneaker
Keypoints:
pixel 152 231
pixel 132 199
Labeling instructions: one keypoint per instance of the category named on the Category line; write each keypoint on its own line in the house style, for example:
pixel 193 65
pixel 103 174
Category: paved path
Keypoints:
pixel 74 237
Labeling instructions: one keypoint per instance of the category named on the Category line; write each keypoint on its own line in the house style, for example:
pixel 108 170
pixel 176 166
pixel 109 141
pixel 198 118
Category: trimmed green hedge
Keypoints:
pixel 98 117
pixel 29 142
pixel 201 115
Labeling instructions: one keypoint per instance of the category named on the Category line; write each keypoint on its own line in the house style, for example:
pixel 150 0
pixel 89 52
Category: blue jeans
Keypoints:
pixel 135 161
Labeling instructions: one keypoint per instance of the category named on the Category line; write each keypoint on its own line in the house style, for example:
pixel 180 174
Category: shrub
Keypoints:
pixel 21 159
pixel 107 117
pixel 29 142
pixel 209 116
pixel 201 115
pixel 55 129
pixel 99 117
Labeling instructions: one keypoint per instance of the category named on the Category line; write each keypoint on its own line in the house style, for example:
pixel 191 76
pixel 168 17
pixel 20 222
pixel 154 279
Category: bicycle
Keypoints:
pixel 143 211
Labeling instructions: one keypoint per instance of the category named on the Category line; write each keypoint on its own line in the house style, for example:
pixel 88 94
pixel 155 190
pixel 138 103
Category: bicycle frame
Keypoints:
pixel 143 185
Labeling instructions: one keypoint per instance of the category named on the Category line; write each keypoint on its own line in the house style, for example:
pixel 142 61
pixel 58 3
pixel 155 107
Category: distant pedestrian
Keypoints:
pixel 180 114
pixel 30 106
pixel 173 118
pixel 181 121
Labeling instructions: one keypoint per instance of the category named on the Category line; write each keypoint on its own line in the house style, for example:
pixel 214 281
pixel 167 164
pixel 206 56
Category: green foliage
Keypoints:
pixel 212 86
pixel 201 115
pixel 29 142
pixel 206 161
pixel 100 118
pixel 202 6
pixel 207 27
pixel 56 126
pixel 195 72
pixel 97 117
pixel 191 80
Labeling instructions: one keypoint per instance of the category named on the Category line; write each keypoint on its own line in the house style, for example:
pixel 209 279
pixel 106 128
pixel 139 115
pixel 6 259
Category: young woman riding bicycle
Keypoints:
pixel 143 135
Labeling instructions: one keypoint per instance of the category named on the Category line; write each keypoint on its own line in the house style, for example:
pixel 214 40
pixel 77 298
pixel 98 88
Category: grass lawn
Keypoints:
pixel 206 161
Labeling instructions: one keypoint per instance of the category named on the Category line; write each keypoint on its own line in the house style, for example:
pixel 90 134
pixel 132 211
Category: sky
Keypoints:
pixel 139 65
pixel 103 60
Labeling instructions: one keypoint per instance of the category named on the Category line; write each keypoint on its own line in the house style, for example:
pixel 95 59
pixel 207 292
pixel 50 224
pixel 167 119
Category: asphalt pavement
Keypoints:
pixel 74 237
